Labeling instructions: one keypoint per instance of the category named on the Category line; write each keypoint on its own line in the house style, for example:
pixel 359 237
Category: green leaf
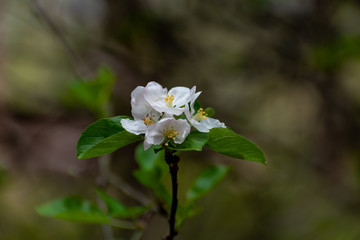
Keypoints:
pixel 118 209
pixel 104 136
pixel 206 181
pixel 95 93
pixel 194 141
pixel 73 209
pixel 152 168
pixel 225 141
pixel 149 159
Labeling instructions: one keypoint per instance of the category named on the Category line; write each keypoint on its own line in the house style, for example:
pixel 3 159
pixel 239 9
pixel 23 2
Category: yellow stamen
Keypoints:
pixel 170 133
pixel 148 120
pixel 169 100
pixel 200 115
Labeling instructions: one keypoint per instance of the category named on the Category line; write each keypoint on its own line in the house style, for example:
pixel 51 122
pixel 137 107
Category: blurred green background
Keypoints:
pixel 283 73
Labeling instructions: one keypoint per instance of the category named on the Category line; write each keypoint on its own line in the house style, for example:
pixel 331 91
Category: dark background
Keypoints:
pixel 283 73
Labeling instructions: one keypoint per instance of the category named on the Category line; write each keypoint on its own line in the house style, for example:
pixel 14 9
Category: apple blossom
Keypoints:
pixel 172 102
pixel 199 119
pixel 167 130
pixel 165 118
pixel 154 108
pixel 144 115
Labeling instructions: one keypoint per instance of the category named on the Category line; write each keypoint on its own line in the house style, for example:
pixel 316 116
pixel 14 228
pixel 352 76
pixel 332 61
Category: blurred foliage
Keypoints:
pixel 95 93
pixel 152 169
pixel 206 181
pixel 73 209
pixel 330 56
pixel 118 209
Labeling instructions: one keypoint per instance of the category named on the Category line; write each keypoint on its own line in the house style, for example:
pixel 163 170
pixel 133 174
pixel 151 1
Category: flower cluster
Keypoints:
pixel 166 116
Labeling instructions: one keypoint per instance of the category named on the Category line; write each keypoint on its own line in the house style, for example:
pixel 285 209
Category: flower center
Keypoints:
pixel 170 133
pixel 169 100
pixel 148 120
pixel 200 115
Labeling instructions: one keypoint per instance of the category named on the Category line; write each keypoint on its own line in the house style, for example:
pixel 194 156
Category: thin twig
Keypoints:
pixel 107 175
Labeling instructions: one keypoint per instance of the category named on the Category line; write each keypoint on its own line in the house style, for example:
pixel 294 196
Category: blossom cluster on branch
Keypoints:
pixel 166 116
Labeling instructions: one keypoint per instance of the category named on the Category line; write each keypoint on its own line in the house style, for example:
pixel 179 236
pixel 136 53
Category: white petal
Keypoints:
pixel 154 95
pixel 173 111
pixel 159 105
pixel 153 136
pixel 199 126
pixel 183 128
pixel 154 92
pixel 206 124
pixel 188 114
pixel 146 145
pixel 181 96
pixel 135 127
pixel 168 115
pixel 139 106
pixel 169 111
pixel 210 123
pixel 194 96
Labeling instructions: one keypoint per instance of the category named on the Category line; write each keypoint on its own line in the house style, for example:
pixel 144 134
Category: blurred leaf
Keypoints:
pixel 150 158
pixel 194 141
pixel 152 168
pixel 225 141
pixel 201 186
pixel 94 94
pixel 73 209
pixel 151 179
pixel 104 136
pixel 185 212
pixel 206 181
pixel 210 111
pixel 117 209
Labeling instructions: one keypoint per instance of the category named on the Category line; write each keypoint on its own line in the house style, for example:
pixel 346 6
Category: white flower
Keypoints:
pixel 167 129
pixel 171 102
pixel 153 108
pixel 144 115
pixel 199 119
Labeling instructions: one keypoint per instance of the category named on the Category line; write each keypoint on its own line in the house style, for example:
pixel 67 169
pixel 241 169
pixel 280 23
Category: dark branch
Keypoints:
pixel 173 160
